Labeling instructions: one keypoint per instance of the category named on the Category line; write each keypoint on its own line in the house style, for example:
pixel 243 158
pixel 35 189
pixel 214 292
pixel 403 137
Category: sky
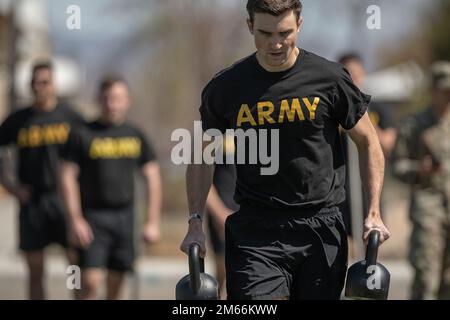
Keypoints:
pixel 330 27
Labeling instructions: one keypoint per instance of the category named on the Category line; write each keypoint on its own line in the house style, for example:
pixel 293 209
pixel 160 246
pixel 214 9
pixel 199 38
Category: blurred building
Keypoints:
pixel 7 55
pixel 395 84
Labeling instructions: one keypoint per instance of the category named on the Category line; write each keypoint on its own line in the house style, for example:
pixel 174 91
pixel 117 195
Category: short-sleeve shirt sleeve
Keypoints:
pixel 72 151
pixel 8 130
pixel 148 153
pixel 350 103
pixel 210 109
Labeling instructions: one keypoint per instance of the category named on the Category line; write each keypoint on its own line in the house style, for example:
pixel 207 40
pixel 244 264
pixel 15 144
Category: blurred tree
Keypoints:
pixel 437 29
pixel 173 56
pixel 186 44
pixel 427 44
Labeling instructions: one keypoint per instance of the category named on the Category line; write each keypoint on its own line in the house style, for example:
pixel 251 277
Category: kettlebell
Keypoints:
pixel 197 285
pixel 368 279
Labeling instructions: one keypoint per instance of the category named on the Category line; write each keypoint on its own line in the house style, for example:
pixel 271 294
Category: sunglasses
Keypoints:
pixel 41 82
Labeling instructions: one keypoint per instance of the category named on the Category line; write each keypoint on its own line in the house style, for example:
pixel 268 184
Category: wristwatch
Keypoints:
pixel 195 216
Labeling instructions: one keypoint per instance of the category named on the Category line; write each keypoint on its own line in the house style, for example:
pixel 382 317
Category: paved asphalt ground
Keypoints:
pixel 155 276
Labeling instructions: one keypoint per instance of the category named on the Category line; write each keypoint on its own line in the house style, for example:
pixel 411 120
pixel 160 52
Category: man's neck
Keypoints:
pixel 105 121
pixel 285 66
pixel 47 105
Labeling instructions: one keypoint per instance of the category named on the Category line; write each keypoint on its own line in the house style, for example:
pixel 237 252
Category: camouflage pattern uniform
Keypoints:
pixel 420 136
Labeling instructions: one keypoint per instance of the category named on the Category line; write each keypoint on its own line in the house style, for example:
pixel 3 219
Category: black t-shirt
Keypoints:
pixel 225 182
pixel 381 115
pixel 39 137
pixel 107 156
pixel 307 103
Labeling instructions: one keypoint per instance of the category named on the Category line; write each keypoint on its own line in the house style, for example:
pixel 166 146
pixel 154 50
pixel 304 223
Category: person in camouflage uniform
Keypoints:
pixel 422 159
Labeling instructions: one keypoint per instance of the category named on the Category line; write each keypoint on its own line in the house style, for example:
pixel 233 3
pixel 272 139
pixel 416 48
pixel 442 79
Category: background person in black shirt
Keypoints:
pixel 39 132
pixel 97 183
pixel 380 114
pixel 288 239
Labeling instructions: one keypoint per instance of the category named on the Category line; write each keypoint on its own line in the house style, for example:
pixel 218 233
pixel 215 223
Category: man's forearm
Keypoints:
pixel 198 183
pixel 72 199
pixel 71 192
pixel 6 177
pixel 7 184
pixel 154 192
pixel 371 162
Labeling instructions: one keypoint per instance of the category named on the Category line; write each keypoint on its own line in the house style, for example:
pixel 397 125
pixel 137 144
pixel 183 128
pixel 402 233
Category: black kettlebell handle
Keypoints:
pixel 196 266
pixel 372 248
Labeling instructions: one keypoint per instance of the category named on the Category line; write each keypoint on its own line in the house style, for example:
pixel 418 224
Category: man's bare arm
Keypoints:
pixel 151 172
pixel 70 189
pixel 371 162
pixel 198 182
pixel 80 230
pixel 199 179
pixel 9 181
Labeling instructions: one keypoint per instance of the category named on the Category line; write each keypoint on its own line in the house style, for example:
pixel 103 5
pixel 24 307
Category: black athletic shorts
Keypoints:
pixel 217 243
pixel 274 254
pixel 113 243
pixel 41 222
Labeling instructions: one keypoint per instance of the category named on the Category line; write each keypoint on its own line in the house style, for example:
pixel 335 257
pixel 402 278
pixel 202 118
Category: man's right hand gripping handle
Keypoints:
pixel 195 234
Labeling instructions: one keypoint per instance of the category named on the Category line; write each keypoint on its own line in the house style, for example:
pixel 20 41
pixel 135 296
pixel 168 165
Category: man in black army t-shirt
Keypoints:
pixel 103 157
pixel 39 132
pixel 380 113
pixel 288 238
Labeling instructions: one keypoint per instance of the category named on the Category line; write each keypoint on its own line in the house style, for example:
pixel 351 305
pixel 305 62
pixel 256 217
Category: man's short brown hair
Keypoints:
pixel 273 7
pixel 41 65
pixel 349 57
pixel 108 81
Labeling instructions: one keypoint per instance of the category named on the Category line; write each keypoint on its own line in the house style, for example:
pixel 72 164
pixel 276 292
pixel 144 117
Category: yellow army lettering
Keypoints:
pixel 37 136
pixel 115 148
pixel 374 118
pixel 266 109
